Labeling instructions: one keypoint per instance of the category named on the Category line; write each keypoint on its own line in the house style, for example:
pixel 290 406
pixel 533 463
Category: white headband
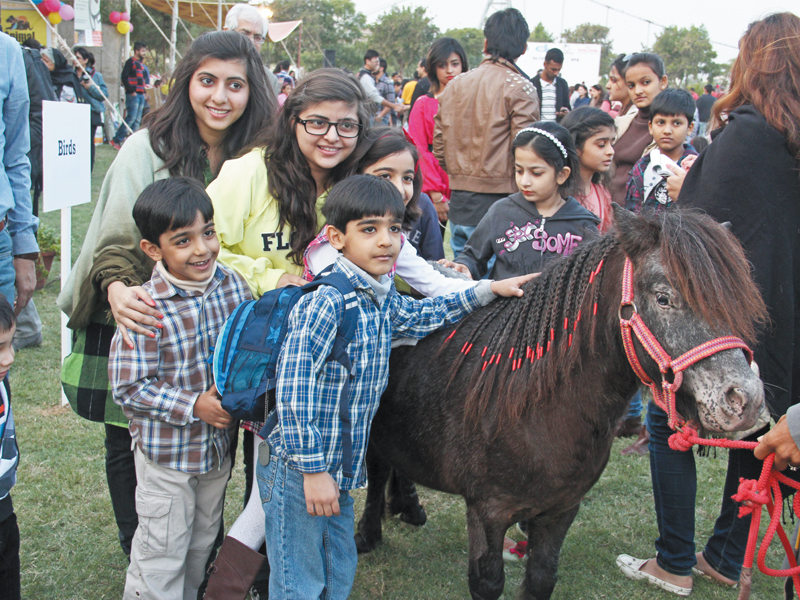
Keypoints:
pixel 548 135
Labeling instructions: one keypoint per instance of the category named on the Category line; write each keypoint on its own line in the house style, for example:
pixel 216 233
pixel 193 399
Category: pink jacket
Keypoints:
pixel 420 126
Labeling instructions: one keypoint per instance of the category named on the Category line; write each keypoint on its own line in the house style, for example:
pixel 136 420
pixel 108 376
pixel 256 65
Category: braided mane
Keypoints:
pixel 533 331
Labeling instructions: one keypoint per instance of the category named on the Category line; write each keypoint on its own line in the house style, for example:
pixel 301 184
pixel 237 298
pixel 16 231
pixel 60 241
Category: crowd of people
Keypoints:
pixel 247 180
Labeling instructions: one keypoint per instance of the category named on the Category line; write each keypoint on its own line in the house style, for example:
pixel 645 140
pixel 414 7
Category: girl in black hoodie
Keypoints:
pixel 539 223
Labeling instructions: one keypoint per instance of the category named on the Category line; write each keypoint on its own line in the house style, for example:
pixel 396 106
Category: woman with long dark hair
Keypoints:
pixel 446 60
pixel 748 177
pixel 218 104
pixel 599 98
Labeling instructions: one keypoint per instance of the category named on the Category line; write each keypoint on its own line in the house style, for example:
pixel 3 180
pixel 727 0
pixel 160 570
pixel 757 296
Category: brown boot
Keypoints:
pixel 233 572
pixel 640 446
pixel 630 427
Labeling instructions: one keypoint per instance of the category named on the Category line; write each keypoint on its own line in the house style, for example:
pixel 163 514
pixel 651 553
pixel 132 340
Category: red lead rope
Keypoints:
pixel 752 494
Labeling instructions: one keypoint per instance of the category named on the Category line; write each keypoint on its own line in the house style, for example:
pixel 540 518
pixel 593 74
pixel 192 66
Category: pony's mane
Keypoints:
pixel 535 344
pixel 708 266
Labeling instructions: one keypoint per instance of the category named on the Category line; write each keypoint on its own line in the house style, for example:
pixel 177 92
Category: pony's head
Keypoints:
pixel 692 283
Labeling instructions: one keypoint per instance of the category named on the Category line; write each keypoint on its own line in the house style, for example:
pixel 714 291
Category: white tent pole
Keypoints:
pixel 127 35
pixel 219 15
pixel 173 36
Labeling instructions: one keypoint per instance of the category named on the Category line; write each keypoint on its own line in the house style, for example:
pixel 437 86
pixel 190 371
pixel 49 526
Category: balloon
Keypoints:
pixel 67 12
pixel 43 9
pixel 38 1
pixel 54 18
pixel 125 16
pixel 131 29
pixel 53 5
pixel 114 17
pixel 123 27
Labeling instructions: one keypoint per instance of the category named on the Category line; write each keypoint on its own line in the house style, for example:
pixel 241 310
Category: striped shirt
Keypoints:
pixel 548 111
pixel 158 382
pixel 308 434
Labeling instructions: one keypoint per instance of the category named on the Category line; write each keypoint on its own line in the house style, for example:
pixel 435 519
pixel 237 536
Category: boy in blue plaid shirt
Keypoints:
pixel 164 384
pixel 303 482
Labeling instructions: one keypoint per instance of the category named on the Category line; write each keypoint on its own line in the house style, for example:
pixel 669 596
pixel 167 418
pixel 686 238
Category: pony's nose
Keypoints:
pixel 737 400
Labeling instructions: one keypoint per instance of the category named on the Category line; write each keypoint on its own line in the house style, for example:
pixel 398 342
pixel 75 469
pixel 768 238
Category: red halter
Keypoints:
pixel 664 395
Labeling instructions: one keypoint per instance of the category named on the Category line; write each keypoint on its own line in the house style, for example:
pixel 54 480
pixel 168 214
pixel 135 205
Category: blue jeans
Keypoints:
pixel 674 490
pixel 635 407
pixel 134 103
pixel 7 273
pixel 309 557
pixel 459 234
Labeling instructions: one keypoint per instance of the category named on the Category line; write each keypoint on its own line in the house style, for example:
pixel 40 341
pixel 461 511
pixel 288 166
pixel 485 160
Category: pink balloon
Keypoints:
pixel 53 5
pixel 131 29
pixel 67 12
pixel 125 16
pixel 114 17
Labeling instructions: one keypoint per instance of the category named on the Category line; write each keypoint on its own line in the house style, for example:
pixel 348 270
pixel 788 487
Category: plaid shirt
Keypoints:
pixel 158 382
pixel 634 192
pixel 308 434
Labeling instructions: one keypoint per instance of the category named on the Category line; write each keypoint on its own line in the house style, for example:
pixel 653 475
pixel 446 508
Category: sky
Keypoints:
pixel 725 20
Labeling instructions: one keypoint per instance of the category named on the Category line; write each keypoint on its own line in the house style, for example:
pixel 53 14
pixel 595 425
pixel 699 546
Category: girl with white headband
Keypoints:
pixel 542 221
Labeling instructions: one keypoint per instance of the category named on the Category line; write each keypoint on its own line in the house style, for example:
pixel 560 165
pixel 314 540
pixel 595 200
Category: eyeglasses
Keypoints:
pixel 259 39
pixel 345 129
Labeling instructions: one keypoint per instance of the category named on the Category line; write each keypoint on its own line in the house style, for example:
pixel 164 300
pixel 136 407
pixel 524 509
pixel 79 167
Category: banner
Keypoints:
pixel 88 26
pixel 581 61
pixel 23 22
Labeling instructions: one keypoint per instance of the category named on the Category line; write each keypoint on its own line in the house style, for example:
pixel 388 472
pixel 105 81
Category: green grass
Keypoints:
pixel 69 539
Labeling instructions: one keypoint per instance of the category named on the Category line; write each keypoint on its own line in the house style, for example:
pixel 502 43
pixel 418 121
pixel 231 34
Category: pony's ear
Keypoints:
pixel 635 234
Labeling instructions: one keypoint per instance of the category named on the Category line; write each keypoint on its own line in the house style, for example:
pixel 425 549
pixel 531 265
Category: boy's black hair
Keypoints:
pixel 169 204
pixel 555 55
pixel 506 33
pixel 382 62
pixel 370 54
pixel 7 317
pixel 360 197
pixel 138 46
pixel 708 88
pixel 671 102
pixel 651 59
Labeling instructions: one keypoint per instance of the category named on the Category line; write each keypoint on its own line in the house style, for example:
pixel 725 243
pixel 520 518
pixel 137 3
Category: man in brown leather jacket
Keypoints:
pixel 480 112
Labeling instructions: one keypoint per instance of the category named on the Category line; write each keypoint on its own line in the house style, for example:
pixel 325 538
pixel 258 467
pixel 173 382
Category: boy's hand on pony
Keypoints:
pixel 208 408
pixel 322 494
pixel 463 269
pixel 511 286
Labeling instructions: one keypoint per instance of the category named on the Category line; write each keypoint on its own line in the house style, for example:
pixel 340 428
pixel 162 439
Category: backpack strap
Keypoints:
pixel 345 333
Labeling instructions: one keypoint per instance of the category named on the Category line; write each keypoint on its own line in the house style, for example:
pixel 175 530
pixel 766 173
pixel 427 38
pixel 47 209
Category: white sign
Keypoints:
pixel 88 24
pixel 67 154
pixel 581 61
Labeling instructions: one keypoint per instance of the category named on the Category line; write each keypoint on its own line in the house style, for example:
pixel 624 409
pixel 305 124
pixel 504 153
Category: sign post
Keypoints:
pixel 67 179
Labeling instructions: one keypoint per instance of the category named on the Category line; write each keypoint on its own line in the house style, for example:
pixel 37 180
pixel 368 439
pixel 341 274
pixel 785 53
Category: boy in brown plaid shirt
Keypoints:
pixel 164 385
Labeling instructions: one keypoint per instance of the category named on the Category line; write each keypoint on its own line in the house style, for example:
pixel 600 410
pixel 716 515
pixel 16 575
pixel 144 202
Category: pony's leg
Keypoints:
pixel 486 573
pixel 545 537
pixel 403 500
pixel 369 527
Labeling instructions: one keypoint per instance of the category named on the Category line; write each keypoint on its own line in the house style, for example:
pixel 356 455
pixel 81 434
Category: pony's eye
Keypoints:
pixel 662 299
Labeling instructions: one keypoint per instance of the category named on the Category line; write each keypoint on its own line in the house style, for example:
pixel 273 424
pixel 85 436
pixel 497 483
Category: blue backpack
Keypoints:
pixel 245 359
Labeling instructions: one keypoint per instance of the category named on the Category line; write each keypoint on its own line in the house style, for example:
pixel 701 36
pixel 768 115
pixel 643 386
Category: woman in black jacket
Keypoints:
pixel 748 177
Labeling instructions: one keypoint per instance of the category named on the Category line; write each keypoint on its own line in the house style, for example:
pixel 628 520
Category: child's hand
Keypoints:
pixel 675 181
pixel 322 494
pixel 208 408
pixel 463 269
pixel 288 279
pixel 511 286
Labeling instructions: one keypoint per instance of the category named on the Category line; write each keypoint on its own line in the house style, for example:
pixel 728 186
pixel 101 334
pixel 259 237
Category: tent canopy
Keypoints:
pixel 205 13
